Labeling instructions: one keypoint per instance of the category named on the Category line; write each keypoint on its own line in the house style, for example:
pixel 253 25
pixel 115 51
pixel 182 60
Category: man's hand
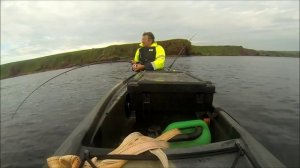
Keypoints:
pixel 138 67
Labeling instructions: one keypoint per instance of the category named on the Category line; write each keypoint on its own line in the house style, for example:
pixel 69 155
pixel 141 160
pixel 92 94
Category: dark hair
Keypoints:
pixel 150 35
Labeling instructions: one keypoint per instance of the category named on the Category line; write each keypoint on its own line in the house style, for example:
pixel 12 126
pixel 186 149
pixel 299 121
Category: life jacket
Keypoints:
pixel 152 57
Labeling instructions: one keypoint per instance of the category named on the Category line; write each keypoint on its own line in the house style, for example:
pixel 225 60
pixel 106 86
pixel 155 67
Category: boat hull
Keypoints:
pixel 112 119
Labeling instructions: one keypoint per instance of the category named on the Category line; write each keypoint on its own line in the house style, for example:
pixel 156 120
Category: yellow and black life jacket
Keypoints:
pixel 152 57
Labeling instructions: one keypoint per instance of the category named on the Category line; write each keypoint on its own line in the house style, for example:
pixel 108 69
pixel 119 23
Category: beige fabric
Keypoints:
pixel 134 144
pixel 68 161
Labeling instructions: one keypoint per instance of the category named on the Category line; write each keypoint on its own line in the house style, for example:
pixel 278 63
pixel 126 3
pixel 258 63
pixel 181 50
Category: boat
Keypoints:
pixel 154 102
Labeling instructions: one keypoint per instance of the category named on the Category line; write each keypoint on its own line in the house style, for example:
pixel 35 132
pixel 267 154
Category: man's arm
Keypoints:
pixel 137 56
pixel 160 57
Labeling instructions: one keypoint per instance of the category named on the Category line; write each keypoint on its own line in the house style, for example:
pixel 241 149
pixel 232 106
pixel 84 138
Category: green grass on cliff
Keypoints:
pixel 125 52
pixel 82 57
pixel 221 51
pixel 279 53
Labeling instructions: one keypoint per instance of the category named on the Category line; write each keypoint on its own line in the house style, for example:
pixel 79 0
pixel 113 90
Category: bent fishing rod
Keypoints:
pixel 80 66
pixel 180 53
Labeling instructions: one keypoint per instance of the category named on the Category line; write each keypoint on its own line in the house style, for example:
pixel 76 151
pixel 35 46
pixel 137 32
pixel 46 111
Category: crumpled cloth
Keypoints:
pixel 134 144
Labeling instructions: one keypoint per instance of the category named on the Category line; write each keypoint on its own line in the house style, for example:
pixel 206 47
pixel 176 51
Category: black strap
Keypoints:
pixel 187 137
pixel 87 157
pixel 148 156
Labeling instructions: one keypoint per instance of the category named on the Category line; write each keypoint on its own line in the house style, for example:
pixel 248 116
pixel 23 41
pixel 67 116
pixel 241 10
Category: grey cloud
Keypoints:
pixel 32 29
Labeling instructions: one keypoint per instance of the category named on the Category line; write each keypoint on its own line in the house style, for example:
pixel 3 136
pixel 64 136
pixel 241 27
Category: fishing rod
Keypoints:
pixel 180 52
pixel 80 66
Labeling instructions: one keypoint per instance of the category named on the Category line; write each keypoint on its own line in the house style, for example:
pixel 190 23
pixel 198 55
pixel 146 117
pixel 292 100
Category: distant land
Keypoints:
pixel 125 52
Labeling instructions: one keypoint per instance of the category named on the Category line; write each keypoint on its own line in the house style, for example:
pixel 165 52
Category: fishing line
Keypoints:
pixel 180 52
pixel 80 66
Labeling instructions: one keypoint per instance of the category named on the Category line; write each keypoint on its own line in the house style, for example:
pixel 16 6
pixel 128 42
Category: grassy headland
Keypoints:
pixel 222 51
pixel 125 52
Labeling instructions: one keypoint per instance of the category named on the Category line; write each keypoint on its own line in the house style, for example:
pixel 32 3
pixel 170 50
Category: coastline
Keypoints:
pixel 125 52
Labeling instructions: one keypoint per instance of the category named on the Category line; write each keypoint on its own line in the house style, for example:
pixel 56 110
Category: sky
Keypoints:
pixel 31 29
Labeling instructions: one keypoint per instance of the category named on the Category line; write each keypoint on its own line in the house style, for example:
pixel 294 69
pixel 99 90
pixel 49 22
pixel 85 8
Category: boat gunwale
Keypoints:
pixel 76 137
pixel 255 151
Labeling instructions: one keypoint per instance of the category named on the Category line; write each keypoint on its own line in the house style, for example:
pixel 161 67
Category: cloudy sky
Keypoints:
pixel 32 29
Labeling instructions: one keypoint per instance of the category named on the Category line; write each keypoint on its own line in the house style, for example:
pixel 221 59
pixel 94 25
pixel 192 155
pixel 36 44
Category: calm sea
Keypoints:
pixel 261 93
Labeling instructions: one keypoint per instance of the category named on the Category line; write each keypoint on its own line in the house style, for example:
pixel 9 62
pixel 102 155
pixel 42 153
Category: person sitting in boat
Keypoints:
pixel 150 56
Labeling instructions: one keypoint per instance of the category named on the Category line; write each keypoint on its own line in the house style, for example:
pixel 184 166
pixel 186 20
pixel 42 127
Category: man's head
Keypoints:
pixel 148 39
